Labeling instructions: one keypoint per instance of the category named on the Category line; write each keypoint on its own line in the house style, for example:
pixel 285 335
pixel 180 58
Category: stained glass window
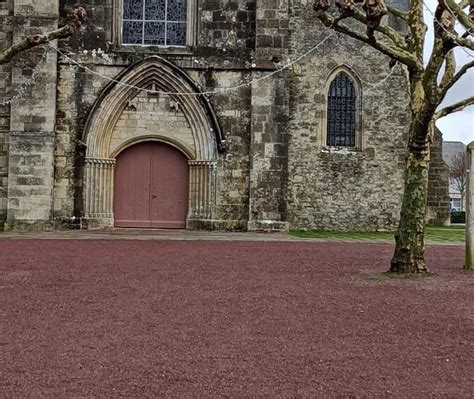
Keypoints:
pixel 154 22
pixel 342 100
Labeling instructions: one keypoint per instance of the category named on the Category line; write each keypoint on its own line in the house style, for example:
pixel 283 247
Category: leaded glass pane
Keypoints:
pixel 133 9
pixel 342 100
pixel 154 22
pixel 154 33
pixel 176 10
pixel 133 32
pixel 176 34
pixel 155 10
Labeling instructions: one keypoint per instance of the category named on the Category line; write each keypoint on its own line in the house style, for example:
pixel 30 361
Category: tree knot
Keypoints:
pixel 76 17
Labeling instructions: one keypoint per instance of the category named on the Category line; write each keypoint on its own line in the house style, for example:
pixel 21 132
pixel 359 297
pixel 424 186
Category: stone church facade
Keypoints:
pixel 319 145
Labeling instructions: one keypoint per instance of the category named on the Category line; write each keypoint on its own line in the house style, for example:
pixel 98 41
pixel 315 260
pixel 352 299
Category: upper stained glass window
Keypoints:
pixel 342 100
pixel 154 22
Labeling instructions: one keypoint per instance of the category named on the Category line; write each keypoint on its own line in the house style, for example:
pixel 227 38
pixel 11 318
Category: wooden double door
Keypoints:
pixel 151 186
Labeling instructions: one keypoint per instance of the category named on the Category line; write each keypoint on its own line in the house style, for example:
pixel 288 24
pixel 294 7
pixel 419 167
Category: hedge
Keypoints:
pixel 458 217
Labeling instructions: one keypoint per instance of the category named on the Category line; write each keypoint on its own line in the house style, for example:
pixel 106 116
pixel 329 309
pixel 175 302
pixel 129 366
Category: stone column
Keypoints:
pixel 6 9
pixel 269 155
pixel 31 138
pixel 272 32
pixel 98 192
pixel 202 192
pixel 468 264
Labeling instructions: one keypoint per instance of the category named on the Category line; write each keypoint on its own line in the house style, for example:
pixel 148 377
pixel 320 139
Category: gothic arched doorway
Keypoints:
pixel 123 113
pixel 151 183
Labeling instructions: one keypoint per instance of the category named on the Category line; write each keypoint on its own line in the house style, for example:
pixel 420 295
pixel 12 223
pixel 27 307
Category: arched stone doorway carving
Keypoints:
pixel 124 115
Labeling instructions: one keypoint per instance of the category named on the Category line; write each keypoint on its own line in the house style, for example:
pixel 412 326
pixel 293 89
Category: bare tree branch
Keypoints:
pixel 398 54
pixel 75 19
pixel 418 29
pixel 456 107
pixel 391 33
pixel 416 9
pixel 439 53
pixel 446 84
pixel 464 41
pixel 397 13
pixel 449 69
pixel 459 14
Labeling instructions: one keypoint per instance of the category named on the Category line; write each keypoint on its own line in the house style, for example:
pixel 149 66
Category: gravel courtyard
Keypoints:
pixel 97 318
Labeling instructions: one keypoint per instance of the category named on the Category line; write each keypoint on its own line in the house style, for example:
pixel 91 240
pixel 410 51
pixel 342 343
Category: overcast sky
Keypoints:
pixel 460 125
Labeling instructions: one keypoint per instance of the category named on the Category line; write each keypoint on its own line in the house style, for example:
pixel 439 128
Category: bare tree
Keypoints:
pixel 75 19
pixel 457 174
pixel 427 91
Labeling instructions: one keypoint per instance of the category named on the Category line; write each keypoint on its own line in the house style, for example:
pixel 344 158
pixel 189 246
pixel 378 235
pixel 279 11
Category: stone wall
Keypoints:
pixel 269 154
pixel 276 171
pixel 76 93
pixel 152 115
pixel 342 188
pixel 31 136
pixel 234 112
pixel 272 34
pixel 6 19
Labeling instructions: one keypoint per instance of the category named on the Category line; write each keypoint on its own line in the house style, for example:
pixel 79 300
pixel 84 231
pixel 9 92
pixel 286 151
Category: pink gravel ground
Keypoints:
pixel 236 319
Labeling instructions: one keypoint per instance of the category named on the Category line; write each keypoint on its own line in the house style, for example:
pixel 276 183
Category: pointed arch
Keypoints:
pixel 164 76
pixel 197 134
pixel 343 108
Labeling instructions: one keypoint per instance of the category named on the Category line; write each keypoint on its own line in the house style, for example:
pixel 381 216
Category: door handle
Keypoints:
pixel 153 197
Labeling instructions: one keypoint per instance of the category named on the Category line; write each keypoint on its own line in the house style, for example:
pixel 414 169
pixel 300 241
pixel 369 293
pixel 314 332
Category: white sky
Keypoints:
pixel 460 125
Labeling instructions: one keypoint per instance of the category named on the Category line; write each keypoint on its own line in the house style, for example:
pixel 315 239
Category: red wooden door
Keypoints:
pixel 132 187
pixel 151 187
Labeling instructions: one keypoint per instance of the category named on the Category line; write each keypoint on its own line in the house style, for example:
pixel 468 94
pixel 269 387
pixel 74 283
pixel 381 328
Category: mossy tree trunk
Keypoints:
pixel 409 256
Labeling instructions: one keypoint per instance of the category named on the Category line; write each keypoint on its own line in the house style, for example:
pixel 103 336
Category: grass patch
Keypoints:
pixel 433 233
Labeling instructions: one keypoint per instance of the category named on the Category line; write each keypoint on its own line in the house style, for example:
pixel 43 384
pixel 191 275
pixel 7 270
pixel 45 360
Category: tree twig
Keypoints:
pixel 459 14
pixel 397 13
pixel 456 107
pixel 391 33
pixel 393 52
pixel 75 19
pixel 447 84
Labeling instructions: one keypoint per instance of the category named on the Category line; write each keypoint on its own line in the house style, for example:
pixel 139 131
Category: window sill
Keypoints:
pixel 155 50
pixel 341 149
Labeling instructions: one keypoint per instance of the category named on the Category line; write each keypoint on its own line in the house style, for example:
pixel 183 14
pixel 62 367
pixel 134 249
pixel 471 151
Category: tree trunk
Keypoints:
pixel 409 256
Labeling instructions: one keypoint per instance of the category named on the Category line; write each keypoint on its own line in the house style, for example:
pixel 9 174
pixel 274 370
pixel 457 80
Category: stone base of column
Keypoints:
pixel 28 226
pixel 97 223
pixel 268 226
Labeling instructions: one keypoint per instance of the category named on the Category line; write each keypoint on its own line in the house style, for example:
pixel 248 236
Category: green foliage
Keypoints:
pixel 458 217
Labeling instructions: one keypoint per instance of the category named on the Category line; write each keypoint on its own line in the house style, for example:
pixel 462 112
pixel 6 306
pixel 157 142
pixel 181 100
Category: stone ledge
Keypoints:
pixel 215 224
pixel 268 226
pixel 26 226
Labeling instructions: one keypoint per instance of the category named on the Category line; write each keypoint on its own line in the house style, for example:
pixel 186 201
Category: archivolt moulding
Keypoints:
pixel 163 76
